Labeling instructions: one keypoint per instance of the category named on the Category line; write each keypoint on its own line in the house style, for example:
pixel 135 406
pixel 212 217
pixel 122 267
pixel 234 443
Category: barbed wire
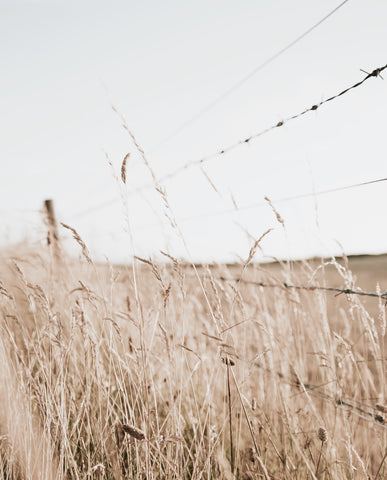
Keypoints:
pixel 247 77
pixel 345 403
pixel 375 73
pixel 311 288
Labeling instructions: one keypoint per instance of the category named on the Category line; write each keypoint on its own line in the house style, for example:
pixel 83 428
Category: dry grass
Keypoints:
pixel 104 377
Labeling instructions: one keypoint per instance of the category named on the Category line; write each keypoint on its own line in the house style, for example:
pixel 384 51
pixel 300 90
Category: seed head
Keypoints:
pixel 133 432
pixel 322 434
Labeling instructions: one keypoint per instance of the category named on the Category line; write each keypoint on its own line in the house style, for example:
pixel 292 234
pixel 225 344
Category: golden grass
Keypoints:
pixel 106 377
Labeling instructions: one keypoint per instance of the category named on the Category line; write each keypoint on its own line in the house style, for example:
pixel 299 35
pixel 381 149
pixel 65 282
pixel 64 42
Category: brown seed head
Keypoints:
pixel 322 434
pixel 123 167
pixel 133 432
pixel 79 240
pixel 228 361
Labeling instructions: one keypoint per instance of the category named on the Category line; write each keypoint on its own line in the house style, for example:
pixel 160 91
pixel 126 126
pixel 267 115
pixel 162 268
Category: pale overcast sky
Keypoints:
pixel 64 63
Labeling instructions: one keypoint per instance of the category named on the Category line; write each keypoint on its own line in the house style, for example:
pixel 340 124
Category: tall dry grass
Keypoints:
pixel 115 372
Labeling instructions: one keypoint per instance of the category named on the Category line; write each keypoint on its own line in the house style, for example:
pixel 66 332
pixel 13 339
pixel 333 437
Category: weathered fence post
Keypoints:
pixel 52 225
pixel 52 234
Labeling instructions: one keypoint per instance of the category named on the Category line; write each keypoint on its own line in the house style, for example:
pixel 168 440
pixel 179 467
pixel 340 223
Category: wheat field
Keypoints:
pixel 169 371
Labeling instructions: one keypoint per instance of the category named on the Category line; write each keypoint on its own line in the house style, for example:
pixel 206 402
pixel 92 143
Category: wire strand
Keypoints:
pixel 281 200
pixel 247 77
pixel 310 288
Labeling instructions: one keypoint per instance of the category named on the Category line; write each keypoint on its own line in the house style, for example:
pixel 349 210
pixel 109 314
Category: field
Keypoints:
pixel 171 371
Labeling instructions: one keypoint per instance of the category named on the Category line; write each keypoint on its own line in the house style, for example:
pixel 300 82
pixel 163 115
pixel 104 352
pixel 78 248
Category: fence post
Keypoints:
pixel 52 235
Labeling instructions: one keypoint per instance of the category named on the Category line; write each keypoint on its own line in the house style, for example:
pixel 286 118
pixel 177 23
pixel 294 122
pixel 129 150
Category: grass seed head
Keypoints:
pixel 323 434
pixel 133 431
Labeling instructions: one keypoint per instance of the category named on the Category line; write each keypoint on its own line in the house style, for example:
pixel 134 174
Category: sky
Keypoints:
pixel 66 63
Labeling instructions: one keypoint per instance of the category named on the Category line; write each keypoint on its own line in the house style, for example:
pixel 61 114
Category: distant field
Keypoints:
pixel 158 371
pixel 368 270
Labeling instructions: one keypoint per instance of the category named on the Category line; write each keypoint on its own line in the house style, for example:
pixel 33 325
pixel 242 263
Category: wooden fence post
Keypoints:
pixel 52 236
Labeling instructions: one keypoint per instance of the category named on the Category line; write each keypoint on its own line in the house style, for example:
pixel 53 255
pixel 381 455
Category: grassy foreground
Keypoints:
pixel 158 371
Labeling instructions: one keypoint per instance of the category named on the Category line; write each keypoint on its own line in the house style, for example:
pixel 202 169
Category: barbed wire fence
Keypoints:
pixel 375 73
pixel 226 149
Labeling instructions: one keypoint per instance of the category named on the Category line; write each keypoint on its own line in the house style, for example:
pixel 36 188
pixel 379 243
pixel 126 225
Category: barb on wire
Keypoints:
pixel 375 73
pixel 310 288
pixel 364 71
